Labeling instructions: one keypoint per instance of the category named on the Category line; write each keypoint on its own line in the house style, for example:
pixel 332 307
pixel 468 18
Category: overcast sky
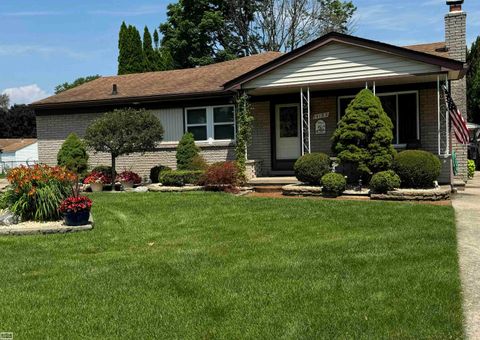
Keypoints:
pixel 45 43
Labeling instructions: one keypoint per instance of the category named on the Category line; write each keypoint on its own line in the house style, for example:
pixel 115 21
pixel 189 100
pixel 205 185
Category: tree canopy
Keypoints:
pixel 473 82
pixel 18 122
pixel 124 131
pixel 79 81
pixel 4 101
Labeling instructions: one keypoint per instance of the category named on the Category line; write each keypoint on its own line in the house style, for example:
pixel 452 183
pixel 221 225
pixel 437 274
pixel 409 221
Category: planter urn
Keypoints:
pixel 96 187
pixel 77 218
pixel 127 185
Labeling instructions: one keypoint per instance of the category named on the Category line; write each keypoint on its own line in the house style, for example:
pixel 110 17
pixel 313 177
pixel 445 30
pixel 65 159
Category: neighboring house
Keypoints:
pixel 18 151
pixel 297 100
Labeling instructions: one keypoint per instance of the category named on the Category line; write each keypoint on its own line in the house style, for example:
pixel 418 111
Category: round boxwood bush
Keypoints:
pixel 312 167
pixel 384 181
pixel 333 183
pixel 417 168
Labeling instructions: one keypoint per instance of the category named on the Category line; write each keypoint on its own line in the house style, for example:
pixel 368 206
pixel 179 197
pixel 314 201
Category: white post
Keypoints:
pixel 301 119
pixel 374 89
pixel 438 115
pixel 447 122
pixel 309 139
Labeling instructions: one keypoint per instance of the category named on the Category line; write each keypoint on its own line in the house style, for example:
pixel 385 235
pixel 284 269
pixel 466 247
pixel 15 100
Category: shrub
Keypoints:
pixel 36 193
pixel 312 167
pixel 155 172
pixel 364 136
pixel 222 176
pixel 178 178
pixel 334 183
pixel 129 176
pixel 186 152
pixel 384 181
pixel 73 155
pixel 417 168
pixel 198 163
pixel 471 168
pixel 106 171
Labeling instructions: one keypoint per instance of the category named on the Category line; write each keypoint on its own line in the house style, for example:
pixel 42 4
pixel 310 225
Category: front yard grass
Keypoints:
pixel 206 265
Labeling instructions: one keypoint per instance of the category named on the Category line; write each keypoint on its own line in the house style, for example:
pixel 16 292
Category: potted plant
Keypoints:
pixel 96 181
pixel 128 179
pixel 76 210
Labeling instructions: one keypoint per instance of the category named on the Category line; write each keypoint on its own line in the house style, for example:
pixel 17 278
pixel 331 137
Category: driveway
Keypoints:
pixel 467 212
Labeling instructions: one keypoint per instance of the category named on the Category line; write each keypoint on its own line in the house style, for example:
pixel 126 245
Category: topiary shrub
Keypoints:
pixel 155 172
pixel 178 178
pixel 471 168
pixel 364 136
pixel 223 176
pixel 73 155
pixel 334 184
pixel 187 151
pixel 384 181
pixel 417 168
pixel 310 168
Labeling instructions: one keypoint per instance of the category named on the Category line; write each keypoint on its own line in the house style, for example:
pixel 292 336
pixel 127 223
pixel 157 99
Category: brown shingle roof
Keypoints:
pixel 437 48
pixel 205 79
pixel 15 144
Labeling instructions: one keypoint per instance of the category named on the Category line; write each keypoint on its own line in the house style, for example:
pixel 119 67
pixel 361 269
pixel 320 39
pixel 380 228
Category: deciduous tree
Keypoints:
pixel 77 82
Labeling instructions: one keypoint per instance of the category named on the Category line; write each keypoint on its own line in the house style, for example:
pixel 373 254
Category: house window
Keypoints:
pixel 402 108
pixel 211 123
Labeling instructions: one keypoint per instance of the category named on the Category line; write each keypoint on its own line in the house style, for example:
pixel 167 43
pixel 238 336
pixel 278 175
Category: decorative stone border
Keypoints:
pixel 35 228
pixel 301 190
pixel 161 188
pixel 439 194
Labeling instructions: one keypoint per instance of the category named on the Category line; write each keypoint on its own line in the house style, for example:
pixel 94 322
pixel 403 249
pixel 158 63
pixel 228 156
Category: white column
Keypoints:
pixel 438 115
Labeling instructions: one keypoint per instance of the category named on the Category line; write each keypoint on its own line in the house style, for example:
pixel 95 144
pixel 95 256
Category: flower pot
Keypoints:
pixel 96 187
pixel 77 218
pixel 127 185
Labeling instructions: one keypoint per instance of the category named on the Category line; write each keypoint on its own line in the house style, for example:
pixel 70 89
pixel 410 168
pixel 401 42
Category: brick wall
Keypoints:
pixel 52 131
pixel 455 38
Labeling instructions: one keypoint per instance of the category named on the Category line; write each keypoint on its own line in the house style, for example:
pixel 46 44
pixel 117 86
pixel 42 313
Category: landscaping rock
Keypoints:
pixel 140 189
pixel 438 194
pixel 8 218
pixel 162 188
pixel 301 190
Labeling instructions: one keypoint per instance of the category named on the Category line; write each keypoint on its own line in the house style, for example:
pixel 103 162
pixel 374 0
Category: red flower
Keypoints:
pixel 76 204
pixel 129 176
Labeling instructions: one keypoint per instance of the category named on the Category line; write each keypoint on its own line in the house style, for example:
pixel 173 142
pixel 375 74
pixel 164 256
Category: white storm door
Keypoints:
pixel 287 131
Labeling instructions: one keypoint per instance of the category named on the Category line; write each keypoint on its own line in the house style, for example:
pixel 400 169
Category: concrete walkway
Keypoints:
pixel 467 212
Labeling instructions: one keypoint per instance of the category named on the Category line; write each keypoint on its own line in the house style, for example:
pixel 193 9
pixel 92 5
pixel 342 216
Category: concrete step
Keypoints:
pixel 272 181
pixel 268 188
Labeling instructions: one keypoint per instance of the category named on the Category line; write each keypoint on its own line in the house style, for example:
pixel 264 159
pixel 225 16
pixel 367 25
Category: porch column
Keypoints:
pixel 305 120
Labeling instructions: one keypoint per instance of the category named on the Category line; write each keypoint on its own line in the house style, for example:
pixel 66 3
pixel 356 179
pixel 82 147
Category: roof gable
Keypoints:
pixel 412 54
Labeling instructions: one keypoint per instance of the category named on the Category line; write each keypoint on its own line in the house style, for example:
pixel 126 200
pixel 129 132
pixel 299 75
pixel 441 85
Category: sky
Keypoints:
pixel 49 42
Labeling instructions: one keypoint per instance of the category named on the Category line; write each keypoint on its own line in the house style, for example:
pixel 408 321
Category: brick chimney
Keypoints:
pixel 456 44
pixel 456 30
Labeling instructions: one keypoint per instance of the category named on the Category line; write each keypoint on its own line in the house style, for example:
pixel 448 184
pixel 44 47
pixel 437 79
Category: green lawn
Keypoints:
pixel 194 266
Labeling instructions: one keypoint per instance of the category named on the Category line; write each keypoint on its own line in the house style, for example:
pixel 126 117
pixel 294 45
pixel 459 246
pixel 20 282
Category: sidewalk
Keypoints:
pixel 467 212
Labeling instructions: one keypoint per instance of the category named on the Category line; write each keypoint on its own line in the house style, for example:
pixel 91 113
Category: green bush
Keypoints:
pixel 384 181
pixel 198 163
pixel 187 151
pixel 334 183
pixel 364 136
pixel 155 172
pixel 471 168
pixel 417 168
pixel 73 155
pixel 310 168
pixel 178 178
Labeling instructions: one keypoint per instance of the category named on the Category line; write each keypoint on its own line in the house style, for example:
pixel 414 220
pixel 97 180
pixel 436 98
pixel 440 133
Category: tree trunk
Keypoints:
pixel 113 172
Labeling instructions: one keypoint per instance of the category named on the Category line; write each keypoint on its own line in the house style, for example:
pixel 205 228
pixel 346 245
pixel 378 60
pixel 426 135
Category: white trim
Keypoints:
pixel 210 124
pixel 397 141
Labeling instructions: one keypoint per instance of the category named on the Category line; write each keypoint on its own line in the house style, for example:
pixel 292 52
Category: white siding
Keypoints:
pixel 26 156
pixel 340 62
pixel 172 121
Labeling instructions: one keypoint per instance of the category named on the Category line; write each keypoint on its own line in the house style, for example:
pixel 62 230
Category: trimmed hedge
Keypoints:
pixel 384 181
pixel 155 172
pixel 178 178
pixel 471 168
pixel 334 183
pixel 310 168
pixel 417 168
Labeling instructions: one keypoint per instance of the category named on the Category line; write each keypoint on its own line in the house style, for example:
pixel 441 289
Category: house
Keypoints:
pixel 297 100
pixel 17 151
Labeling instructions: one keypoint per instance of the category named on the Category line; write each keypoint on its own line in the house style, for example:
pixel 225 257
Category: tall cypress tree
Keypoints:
pixel 122 49
pixel 150 63
pixel 156 39
pixel 136 64
pixel 473 82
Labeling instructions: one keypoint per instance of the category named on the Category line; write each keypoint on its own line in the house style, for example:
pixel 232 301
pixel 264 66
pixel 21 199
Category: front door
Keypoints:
pixel 287 131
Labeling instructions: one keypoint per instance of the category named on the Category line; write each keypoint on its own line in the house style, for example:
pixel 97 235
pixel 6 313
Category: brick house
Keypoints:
pixel 297 100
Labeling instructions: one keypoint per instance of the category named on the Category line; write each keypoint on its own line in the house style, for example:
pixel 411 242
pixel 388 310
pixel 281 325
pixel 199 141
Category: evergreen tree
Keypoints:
pixel 364 136
pixel 156 39
pixel 473 82
pixel 150 59
pixel 122 49
pixel 130 57
pixel 73 155
pixel 18 122
pixel 187 151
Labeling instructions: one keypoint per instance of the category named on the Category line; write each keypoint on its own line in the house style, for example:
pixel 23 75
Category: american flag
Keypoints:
pixel 459 124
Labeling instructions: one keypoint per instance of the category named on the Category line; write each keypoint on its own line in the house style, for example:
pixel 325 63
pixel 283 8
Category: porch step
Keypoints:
pixel 268 189
pixel 458 185
pixel 272 181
